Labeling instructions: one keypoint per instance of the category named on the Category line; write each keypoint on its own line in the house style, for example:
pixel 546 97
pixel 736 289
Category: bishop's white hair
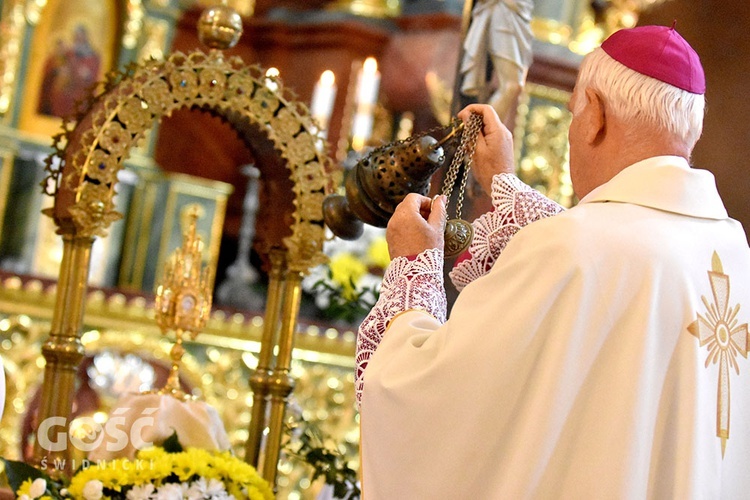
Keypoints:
pixel 637 98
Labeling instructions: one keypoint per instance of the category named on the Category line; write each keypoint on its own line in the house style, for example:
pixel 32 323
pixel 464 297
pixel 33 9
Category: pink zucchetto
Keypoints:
pixel 659 52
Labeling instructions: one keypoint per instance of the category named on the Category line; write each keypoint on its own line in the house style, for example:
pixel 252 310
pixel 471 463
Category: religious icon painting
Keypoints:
pixel 74 45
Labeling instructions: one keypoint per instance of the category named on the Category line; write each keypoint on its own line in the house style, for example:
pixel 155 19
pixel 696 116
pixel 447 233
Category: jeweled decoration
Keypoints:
pixel 183 301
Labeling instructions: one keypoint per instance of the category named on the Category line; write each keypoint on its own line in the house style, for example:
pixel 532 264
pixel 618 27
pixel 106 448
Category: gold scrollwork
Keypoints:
pixel 114 121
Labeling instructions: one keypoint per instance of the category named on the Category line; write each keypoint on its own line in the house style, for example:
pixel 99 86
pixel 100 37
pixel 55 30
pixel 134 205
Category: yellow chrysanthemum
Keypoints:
pixel 377 253
pixel 183 466
pixel 153 465
pixel 75 489
pixel 25 488
pixel 347 269
pixel 154 453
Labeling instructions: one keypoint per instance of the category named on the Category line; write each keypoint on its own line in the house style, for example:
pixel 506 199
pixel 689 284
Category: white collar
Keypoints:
pixel 664 183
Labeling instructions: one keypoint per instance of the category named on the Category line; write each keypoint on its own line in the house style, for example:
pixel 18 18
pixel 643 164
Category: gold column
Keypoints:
pixel 260 381
pixel 282 383
pixel 63 350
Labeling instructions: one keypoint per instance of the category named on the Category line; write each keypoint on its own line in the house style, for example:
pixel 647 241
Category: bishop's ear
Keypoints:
pixel 595 116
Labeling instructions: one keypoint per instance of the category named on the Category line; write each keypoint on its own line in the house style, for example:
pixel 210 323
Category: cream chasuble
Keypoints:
pixel 602 356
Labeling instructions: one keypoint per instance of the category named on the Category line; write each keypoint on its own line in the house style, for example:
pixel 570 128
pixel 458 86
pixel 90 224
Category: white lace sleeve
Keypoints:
pixel 407 284
pixel 515 206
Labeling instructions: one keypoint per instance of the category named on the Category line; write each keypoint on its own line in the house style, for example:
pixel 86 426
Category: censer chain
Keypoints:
pixel 458 232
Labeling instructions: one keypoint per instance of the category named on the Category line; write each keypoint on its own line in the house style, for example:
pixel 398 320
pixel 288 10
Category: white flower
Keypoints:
pixel 24 497
pixel 213 489
pixel 197 489
pixel 169 491
pixel 92 490
pixel 38 487
pixel 216 488
pixel 140 492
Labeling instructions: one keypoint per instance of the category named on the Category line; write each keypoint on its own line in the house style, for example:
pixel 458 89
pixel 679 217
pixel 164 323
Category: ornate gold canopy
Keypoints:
pixel 82 172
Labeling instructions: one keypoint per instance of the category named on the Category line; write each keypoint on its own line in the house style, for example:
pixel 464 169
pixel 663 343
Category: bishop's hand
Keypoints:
pixel 417 225
pixel 494 148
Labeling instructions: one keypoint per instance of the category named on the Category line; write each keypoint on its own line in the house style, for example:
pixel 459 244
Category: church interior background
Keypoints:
pixel 368 72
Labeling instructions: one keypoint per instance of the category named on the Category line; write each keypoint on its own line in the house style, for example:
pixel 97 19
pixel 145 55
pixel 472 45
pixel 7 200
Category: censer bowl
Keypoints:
pixel 379 182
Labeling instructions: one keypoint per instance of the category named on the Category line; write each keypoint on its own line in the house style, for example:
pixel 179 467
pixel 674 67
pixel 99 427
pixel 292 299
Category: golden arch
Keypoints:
pixel 91 152
pixel 82 175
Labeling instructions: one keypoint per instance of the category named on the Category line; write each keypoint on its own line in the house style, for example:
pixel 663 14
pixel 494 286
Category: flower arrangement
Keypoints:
pixel 155 474
pixel 305 442
pixel 349 285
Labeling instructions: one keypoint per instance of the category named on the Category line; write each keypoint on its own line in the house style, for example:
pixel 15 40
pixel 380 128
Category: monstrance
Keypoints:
pixel 183 301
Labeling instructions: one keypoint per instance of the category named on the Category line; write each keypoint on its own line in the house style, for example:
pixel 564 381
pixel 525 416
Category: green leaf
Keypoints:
pixel 18 472
pixel 172 444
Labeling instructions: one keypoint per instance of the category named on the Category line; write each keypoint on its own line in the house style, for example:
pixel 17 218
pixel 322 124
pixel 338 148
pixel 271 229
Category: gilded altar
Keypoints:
pixel 125 352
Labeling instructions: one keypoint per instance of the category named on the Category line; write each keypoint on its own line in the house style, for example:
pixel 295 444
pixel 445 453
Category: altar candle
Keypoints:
pixel 368 83
pixel 361 130
pixel 324 95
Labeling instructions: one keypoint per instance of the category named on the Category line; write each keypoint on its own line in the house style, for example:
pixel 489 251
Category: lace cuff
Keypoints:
pixel 515 206
pixel 407 284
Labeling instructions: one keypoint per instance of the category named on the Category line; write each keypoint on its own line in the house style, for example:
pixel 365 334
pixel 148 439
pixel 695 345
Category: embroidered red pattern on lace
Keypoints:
pixel 407 284
pixel 418 283
pixel 515 206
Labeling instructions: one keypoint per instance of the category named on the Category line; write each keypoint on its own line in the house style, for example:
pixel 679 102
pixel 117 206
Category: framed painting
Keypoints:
pixel 74 45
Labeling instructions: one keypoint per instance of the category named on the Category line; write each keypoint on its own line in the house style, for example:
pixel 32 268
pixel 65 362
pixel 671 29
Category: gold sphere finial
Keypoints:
pixel 219 27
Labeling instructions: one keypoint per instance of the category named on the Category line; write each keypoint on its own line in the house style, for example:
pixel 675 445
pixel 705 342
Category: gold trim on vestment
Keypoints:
pixel 719 331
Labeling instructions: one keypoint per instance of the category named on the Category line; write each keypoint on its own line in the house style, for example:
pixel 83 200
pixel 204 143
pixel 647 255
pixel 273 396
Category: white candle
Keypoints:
pixel 324 95
pixel 368 83
pixel 362 128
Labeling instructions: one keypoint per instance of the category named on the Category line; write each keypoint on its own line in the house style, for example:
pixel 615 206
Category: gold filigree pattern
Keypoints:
pixel 134 113
pixel 312 206
pixel 102 167
pixel 264 104
pixel 95 208
pixel 115 139
pixel 212 83
pixel 184 85
pixel 115 120
pixel 285 125
pixel 156 95
pixel 724 338
pixel 217 367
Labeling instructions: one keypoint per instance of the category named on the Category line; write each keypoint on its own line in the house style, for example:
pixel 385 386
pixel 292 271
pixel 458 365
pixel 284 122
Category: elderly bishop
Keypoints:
pixel 598 352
